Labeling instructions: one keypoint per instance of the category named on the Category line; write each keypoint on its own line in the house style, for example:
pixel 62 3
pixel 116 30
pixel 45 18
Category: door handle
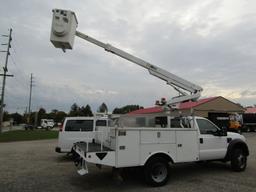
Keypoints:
pixel 201 140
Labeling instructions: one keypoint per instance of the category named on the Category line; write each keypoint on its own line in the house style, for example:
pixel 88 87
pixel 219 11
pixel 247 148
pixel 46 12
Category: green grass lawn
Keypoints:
pixel 22 135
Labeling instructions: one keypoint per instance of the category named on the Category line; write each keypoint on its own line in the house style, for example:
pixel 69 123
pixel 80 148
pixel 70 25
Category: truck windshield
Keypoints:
pixel 79 125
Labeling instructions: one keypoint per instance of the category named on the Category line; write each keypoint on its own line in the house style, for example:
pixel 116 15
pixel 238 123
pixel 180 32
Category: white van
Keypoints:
pixel 77 129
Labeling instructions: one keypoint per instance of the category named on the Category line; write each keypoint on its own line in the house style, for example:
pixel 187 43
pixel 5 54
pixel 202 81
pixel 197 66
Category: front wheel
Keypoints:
pixel 156 172
pixel 238 160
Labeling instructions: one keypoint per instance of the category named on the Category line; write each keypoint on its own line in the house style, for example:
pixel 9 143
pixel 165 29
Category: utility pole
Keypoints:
pixel 30 95
pixel 4 76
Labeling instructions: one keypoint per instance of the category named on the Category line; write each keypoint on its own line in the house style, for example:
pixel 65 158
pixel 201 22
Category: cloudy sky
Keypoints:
pixel 208 42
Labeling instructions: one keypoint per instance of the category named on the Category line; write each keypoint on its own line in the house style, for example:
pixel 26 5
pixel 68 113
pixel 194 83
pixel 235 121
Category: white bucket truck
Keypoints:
pixel 160 141
pixel 47 124
pixel 151 142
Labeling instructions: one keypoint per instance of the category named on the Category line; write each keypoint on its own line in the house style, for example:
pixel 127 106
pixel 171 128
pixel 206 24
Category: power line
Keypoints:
pixel 22 73
pixel 15 100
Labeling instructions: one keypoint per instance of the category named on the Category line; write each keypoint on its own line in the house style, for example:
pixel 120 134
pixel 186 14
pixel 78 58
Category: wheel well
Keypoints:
pixel 160 155
pixel 236 145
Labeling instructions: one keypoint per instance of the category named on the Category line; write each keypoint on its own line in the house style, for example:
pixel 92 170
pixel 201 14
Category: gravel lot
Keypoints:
pixel 34 166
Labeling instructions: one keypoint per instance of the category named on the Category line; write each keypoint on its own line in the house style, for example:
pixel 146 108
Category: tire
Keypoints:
pixel 156 172
pixel 238 160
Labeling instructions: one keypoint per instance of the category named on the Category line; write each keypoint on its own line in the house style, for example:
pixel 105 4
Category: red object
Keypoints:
pixel 147 110
pixel 250 110
pixel 61 127
pixel 186 105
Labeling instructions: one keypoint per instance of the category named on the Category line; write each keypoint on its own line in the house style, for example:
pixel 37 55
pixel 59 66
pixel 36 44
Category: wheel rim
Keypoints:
pixel 241 160
pixel 159 173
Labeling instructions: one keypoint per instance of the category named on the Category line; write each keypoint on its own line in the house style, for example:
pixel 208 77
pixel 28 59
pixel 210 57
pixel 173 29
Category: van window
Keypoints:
pixel 102 123
pixel 178 122
pixel 175 123
pixel 77 125
pixel 162 121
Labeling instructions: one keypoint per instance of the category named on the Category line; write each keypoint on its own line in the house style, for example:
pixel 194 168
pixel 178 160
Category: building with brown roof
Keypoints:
pixel 202 107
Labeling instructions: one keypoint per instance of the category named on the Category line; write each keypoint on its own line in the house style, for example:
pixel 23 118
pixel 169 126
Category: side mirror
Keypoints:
pixel 222 131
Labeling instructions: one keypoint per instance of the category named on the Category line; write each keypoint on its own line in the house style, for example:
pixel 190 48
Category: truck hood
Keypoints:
pixel 236 136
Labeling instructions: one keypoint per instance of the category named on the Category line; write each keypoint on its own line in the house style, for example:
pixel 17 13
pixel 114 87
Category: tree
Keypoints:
pixel 74 110
pixel 42 113
pixel 55 111
pixel 32 118
pixel 17 118
pixel 60 115
pixel 126 109
pixel 86 111
pixel 103 108
pixel 6 116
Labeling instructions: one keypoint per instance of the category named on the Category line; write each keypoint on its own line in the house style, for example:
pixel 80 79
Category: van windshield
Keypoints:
pixel 102 123
pixel 79 125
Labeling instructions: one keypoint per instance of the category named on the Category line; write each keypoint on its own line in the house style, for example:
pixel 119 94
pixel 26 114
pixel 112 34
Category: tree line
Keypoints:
pixel 58 116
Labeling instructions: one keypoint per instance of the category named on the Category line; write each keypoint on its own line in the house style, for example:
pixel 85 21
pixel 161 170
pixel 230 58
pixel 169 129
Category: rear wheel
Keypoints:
pixel 156 171
pixel 238 160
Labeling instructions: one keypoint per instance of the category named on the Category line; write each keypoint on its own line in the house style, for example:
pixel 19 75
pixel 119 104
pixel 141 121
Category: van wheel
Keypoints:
pixel 238 160
pixel 156 171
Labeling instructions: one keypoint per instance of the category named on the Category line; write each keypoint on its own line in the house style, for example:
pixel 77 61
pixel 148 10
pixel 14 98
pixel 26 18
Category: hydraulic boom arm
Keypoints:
pixel 62 36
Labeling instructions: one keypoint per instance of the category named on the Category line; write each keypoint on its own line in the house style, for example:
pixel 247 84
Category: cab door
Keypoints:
pixel 211 146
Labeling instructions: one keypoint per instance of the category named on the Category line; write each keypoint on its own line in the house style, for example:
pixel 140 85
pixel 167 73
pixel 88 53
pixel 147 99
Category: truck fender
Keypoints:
pixel 161 154
pixel 236 143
